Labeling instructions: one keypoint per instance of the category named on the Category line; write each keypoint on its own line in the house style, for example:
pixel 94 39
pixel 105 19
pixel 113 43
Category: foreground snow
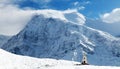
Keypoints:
pixel 11 61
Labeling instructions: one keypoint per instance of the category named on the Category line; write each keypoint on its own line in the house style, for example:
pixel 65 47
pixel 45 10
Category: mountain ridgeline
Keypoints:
pixel 54 38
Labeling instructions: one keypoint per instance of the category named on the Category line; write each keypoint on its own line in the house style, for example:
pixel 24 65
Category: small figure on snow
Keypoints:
pixel 84 59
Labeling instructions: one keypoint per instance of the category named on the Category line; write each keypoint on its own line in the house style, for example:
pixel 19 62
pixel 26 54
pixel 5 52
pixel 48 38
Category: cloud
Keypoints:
pixel 84 3
pixel 81 8
pixel 112 17
pixel 80 5
pixel 87 2
pixel 76 3
pixel 5 1
pixel 12 19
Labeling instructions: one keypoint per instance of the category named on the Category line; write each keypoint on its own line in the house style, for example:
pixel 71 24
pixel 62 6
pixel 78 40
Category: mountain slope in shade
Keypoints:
pixel 3 39
pixel 12 61
pixel 49 37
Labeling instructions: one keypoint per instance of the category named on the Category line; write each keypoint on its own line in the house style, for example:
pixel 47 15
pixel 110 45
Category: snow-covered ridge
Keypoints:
pixel 67 15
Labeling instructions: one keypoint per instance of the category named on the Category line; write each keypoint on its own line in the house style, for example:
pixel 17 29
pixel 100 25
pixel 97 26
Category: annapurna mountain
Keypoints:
pixel 59 35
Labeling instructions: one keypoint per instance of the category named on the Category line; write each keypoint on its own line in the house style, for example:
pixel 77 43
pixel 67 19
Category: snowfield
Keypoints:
pixel 12 61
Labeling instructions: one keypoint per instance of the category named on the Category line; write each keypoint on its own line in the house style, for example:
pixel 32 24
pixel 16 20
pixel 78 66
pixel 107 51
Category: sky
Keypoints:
pixel 16 12
pixel 86 7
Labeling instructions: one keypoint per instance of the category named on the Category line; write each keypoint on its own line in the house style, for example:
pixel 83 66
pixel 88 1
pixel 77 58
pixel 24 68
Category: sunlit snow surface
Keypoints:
pixel 11 61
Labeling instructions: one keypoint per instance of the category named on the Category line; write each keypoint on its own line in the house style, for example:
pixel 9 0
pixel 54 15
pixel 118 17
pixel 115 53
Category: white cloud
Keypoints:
pixel 80 5
pixel 76 3
pixel 81 8
pixel 87 2
pixel 12 19
pixel 5 2
pixel 112 17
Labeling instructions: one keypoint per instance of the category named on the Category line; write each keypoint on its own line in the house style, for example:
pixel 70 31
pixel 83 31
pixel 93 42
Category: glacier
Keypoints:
pixel 50 36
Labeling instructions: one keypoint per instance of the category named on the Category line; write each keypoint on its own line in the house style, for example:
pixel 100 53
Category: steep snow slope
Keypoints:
pixel 51 37
pixel 3 39
pixel 11 61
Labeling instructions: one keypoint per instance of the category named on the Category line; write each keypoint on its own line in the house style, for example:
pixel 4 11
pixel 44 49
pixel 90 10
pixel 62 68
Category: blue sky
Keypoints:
pixel 90 8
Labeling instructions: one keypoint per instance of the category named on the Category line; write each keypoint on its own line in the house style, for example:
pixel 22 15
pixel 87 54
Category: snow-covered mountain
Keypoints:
pixel 3 39
pixel 12 61
pixel 49 36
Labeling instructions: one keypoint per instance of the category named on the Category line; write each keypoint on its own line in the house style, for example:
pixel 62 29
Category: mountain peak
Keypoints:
pixel 67 15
